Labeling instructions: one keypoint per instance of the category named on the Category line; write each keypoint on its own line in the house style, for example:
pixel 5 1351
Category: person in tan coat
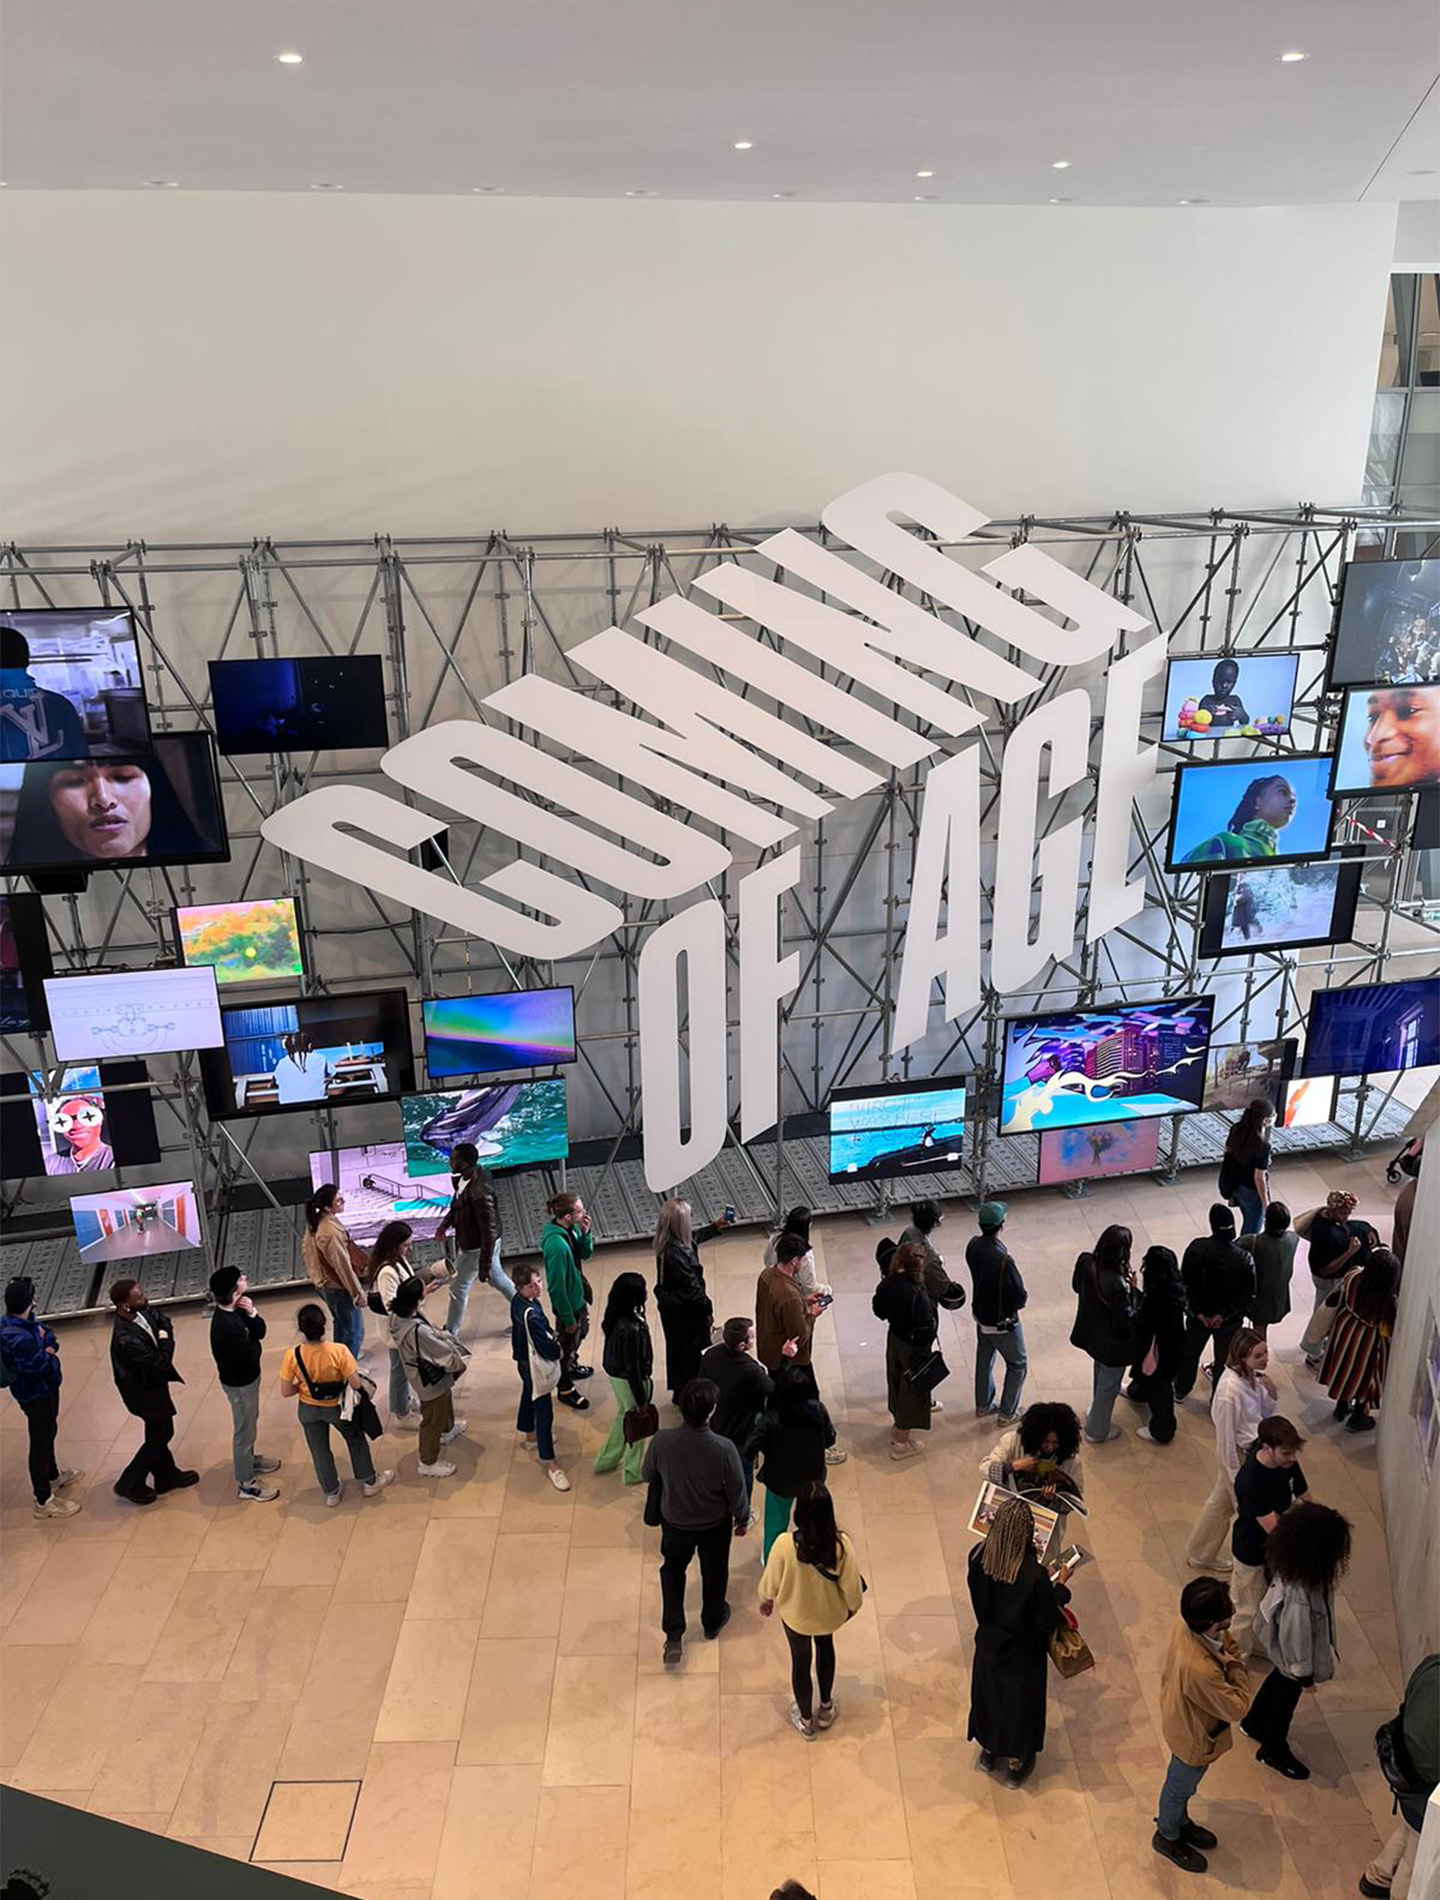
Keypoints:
pixel 1204 1688
pixel 784 1314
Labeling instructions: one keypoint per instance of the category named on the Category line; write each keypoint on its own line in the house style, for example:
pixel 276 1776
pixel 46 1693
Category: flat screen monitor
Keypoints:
pixel 87 1123
pixel 150 808
pixel 1281 907
pixel 1237 1073
pixel 1374 1028
pixel 317 1052
pixel 1088 1154
pixel 257 941
pixel 1389 740
pixel 1388 624
pixel 896 1128
pixel 330 704
pixel 70 685
pixel 512 1124
pixel 1309 1101
pixel 1228 696
pixel 1273 810
pixel 1074 1068
pixel 25 962
pixel 123 1226
pixel 378 1187
pixel 133 1013
pixel 483 1035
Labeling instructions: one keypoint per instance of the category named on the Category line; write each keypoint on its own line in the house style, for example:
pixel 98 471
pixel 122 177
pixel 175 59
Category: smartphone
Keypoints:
pixel 822 1300
pixel 730 1215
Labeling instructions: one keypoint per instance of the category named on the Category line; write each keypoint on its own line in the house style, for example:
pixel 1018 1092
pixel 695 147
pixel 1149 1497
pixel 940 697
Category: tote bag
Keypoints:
pixel 544 1373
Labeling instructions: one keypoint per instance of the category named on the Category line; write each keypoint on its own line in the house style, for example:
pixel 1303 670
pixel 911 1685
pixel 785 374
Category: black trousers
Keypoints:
pixel 43 1417
pixel 154 1459
pixel 1272 1711
pixel 800 1668
pixel 571 1339
pixel 1158 1392
pixel 1196 1334
pixel 677 1546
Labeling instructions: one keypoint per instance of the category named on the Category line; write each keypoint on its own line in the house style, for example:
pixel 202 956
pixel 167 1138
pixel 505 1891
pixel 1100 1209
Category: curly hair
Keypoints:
pixel 1040 1420
pixel 1309 1546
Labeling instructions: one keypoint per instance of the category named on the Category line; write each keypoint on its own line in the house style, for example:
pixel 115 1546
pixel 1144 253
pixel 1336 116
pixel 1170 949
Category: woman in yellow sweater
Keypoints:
pixel 813 1579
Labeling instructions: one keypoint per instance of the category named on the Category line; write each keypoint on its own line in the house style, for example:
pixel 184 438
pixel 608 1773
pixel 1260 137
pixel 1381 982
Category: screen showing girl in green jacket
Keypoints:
pixel 1251 811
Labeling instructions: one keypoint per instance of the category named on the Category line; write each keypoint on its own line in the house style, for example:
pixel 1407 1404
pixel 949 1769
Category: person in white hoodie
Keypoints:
pixel 1244 1394
pixel 389 1269
pixel 432 1360
pixel 1305 1556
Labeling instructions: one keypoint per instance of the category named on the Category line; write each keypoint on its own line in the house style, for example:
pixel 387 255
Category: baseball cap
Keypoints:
pixel 991 1213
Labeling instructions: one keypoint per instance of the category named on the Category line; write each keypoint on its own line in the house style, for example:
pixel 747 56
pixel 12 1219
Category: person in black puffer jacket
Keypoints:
pixel 1159 1327
pixel 629 1362
pixel 911 1315
pixel 792 1434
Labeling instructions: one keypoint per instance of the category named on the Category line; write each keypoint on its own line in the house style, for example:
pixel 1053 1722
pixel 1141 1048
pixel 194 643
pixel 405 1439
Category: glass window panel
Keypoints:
pixel 1427 340
pixel 1397 348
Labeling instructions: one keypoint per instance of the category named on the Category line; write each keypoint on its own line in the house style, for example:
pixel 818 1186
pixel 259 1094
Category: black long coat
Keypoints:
pixel 684 1307
pixel 1013 1624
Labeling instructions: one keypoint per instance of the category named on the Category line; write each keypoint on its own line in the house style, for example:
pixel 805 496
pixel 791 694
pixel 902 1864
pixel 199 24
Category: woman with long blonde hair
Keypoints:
pixel 680 1293
pixel 1017 1606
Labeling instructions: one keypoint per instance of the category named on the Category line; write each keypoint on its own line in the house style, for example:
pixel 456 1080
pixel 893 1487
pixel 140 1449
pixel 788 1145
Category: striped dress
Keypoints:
pixel 1357 1351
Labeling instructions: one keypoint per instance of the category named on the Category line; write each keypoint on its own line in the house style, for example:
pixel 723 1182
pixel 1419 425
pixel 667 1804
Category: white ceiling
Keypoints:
pixel 1152 101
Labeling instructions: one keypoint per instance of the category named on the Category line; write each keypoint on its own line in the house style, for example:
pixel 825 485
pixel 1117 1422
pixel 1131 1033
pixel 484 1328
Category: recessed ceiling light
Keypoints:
pixel 784 194
pixel 290 59
pixel 1062 201
pixel 639 194
pixel 162 184
pixel 744 145
pixel 1292 58
pixel 924 174
pixel 327 187
pixel 1425 171
pixel 1060 165
pixel 924 198
pixel 1194 201
pixel 489 191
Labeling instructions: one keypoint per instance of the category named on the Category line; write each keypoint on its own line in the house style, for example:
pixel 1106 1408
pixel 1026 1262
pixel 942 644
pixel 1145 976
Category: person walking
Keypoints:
pixel 923 1232
pixel 1415 1742
pixel 1017 1604
pixel 328 1255
pixel 316 1371
pixel 792 1435
pixel 999 1293
pixel 565 1244
pixel 1159 1343
pixel 1358 1349
pixel 1273 1251
pixel 909 1313
pixel 680 1295
pixel 1245 1165
pixel 236 1332
pixel 1106 1302
pixel 1244 1394
pixel 1219 1281
pixel 142 1362
pixel 1204 1691
pixel 432 1360
pixel 536 1352
pixel 629 1362
pixel 796 1224
pixel 389 1269
pixel 812 1578
pixel 1305 1556
pixel 744 1387
pixel 1268 1482
pixel 699 1493
pixel 30 1354
pixel 474 1218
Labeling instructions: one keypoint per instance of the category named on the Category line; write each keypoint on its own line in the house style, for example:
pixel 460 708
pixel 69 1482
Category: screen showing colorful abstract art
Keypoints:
pixel 483 1035
pixel 1085 1154
pixel 1073 1068
pixel 906 1128
pixel 1240 695
pixel 378 1186
pixel 253 942
pixel 1309 1101
pixel 512 1124
pixel 129 1223
pixel 1271 810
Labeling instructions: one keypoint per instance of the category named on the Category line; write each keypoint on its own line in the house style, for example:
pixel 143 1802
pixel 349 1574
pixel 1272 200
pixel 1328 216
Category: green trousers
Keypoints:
pixel 777 1519
pixel 615 1451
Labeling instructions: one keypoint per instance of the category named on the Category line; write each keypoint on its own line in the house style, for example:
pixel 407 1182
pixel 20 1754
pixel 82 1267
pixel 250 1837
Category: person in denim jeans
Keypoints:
pixel 316 1373
pixel 531 1336
pixel 389 1268
pixel 1104 1283
pixel 475 1216
pixel 1204 1689
pixel 325 1252
pixel 999 1294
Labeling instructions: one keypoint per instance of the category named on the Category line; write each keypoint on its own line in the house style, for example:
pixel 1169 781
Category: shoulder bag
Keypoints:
pixel 1069 1651
pixel 327 1391
pixel 640 1422
pixel 1320 1324
pixel 927 1373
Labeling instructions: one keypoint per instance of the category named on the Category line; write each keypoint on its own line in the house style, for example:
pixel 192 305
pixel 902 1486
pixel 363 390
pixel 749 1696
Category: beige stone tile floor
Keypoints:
pixel 454 1691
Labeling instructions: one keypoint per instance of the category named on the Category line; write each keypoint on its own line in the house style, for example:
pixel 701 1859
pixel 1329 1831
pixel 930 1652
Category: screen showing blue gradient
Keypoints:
pixel 483 1035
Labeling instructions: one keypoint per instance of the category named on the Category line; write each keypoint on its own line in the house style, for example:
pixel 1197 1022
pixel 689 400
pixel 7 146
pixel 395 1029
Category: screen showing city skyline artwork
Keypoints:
pixel 1070 1068
pixel 896 1129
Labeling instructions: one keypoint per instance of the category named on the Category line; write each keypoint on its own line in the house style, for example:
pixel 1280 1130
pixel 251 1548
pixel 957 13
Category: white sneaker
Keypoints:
pixel 57 1507
pixel 332 1498
pixel 1221 1569
pixel 835 1456
pixel 912 1450
pixel 937 1405
pixel 257 1493
pixel 378 1483
pixel 404 1421
pixel 807 1729
pixel 557 1477
pixel 63 1478
pixel 1149 1436
pixel 457 1430
pixel 441 1469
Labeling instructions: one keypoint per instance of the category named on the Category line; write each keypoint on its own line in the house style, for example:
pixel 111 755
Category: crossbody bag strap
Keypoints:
pixel 305 1375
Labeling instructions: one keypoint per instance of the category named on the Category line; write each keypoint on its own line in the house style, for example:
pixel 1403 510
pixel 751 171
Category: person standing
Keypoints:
pixel 699 1489
pixel 1017 1605
pixel 564 1244
pixel 1204 1690
pixel 432 1360
pixel 797 1223
pixel 925 1219
pixel 475 1218
pixel 680 1293
pixel 1244 1394
pixel 328 1256
pixel 1245 1165
pixel 30 1354
pixel 389 1269
pixel 999 1293
pixel 142 1360
pixel 1415 1739
pixel 909 1314
pixel 744 1387
pixel 1104 1285
pixel 317 1373
pixel 1273 1251
pixel 792 1435
pixel 1358 1349
pixel 1219 1281
pixel 236 1332
pixel 1334 1241
pixel 1268 1482
pixel 629 1362
pixel 1305 1556
pixel 1159 1343
pixel 812 1577
pixel 536 1352
pixel 784 1316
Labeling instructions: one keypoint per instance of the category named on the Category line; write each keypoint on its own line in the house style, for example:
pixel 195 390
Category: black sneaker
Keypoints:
pixel 584 1372
pixel 574 1400
pixel 180 1482
pixel 1194 1835
pixel 147 1496
pixel 1373 1890
pixel 987 1759
pixel 1180 1852
pixel 1360 1422
pixel 1019 1771
pixel 672 1652
pixel 725 1618
pixel 1287 1764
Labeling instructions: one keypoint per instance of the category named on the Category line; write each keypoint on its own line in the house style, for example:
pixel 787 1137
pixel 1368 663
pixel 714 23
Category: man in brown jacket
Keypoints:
pixel 1203 1689
pixel 784 1316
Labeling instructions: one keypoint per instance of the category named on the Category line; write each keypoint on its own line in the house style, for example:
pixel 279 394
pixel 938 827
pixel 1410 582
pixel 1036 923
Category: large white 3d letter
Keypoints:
pixel 697 935
pixel 1126 768
pixel 947 856
pixel 765 980
pixel 1064 727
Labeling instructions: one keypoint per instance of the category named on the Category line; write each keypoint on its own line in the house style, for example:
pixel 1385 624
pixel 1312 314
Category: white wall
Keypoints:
pixel 182 365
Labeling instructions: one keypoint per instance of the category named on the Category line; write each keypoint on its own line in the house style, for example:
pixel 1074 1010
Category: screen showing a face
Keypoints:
pixel 377 1187
pixel 25 962
pixel 133 1013
pixel 481 1035
pixel 70 684
pixel 511 1124
pixel 1074 1068
pixel 1389 740
pixel 1251 811
pixel 1374 1028
pixel 158 807
pixel 321 705
pixel 909 1128
pixel 1085 1154
pixel 253 942
pixel 1246 695
pixel 1388 627
pixel 1309 1101
pixel 93 1119
pixel 317 1052
pixel 1237 1073
pixel 128 1223
pixel 1282 907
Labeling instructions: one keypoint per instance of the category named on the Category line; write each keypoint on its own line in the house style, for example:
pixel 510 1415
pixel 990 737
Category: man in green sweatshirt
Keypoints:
pixel 566 1241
